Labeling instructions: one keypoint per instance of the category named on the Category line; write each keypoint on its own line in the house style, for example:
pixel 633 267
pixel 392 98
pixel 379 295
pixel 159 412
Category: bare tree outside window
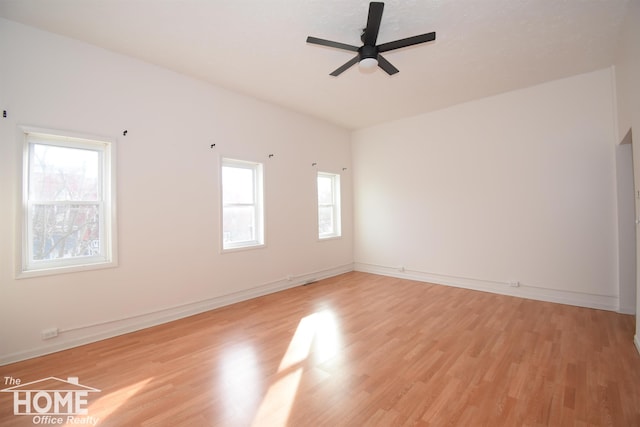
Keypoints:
pixel 64 202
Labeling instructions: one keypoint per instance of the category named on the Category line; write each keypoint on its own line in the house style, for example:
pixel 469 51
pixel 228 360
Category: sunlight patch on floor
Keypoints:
pixel 327 341
pixel 317 332
pixel 276 406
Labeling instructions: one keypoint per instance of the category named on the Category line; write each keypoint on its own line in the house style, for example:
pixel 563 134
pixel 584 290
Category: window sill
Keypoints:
pixel 242 248
pixel 50 271
pixel 324 239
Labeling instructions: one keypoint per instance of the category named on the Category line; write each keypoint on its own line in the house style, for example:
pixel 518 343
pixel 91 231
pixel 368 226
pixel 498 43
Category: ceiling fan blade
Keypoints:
pixel 386 66
pixel 329 43
pixel 409 41
pixel 373 23
pixel 343 68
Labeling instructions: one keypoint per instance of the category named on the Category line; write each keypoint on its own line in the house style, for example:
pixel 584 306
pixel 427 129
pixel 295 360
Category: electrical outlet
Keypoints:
pixel 515 284
pixel 47 334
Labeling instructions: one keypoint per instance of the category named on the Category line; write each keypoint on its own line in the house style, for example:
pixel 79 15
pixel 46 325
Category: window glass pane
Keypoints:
pixel 325 220
pixel 62 173
pixel 325 190
pixel 65 231
pixel 237 185
pixel 328 205
pixel 239 224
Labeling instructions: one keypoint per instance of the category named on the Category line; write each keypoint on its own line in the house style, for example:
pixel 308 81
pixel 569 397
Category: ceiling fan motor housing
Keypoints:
pixel 367 51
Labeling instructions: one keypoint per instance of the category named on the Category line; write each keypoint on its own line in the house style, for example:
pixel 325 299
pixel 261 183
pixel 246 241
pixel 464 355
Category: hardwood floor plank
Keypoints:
pixel 360 349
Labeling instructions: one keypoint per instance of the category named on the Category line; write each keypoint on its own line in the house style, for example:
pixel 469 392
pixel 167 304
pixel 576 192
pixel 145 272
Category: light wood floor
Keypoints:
pixel 361 350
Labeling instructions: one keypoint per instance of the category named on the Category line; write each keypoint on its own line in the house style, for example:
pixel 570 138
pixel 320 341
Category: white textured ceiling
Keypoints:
pixel 257 47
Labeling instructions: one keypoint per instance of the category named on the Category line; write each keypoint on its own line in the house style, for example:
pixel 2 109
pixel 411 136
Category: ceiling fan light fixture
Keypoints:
pixel 368 65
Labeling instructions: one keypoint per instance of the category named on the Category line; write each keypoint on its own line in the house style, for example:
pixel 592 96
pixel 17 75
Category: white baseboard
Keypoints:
pixel 636 341
pixel 601 302
pixel 109 329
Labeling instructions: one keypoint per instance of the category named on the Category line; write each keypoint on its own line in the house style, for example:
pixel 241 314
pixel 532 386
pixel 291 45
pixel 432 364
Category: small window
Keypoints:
pixel 68 204
pixel 328 205
pixel 242 207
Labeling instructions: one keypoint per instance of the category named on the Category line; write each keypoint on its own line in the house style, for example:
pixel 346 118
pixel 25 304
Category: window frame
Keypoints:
pixel 106 201
pixel 336 206
pixel 258 203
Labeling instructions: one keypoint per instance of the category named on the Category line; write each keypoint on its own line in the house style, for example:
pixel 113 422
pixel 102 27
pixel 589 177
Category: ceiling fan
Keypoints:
pixel 368 55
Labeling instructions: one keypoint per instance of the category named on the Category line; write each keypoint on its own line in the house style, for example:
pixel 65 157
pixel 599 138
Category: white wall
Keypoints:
pixel 627 69
pixel 516 187
pixel 168 191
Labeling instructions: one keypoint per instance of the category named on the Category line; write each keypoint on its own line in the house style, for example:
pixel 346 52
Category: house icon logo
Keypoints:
pixel 50 396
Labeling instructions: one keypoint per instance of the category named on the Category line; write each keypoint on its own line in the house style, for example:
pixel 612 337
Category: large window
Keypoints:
pixel 242 207
pixel 68 203
pixel 328 205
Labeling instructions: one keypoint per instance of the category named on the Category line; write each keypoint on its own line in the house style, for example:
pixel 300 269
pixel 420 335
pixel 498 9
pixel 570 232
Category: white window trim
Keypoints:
pixel 259 242
pixel 337 206
pixel 109 258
